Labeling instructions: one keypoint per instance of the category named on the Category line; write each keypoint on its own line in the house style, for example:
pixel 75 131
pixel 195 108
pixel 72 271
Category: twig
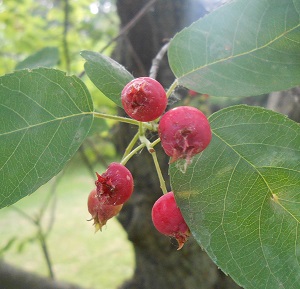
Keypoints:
pixel 126 28
pixel 42 238
pixel 42 234
pixel 157 60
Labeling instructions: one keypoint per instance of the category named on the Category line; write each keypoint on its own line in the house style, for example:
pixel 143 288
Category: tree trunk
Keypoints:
pixel 158 263
pixel 13 278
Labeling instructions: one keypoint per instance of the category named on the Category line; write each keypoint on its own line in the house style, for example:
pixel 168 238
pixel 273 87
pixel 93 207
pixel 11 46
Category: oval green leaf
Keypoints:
pixel 109 76
pixel 44 117
pixel 243 48
pixel 241 197
pixel 46 57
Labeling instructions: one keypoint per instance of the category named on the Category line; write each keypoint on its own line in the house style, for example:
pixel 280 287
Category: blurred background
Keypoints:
pixel 48 233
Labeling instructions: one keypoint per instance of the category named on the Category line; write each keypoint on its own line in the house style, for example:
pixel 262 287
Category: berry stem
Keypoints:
pixel 141 129
pixel 132 153
pixel 147 143
pixel 153 144
pixel 152 151
pixel 172 88
pixel 131 144
pixel 159 173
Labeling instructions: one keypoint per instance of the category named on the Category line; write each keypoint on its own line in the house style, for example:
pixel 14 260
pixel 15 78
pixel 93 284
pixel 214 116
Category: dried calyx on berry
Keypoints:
pixel 144 99
pixel 184 132
pixel 115 185
pixel 168 220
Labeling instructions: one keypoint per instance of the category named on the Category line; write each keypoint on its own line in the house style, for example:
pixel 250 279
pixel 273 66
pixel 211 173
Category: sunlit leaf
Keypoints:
pixel 109 76
pixel 44 117
pixel 243 48
pixel 241 197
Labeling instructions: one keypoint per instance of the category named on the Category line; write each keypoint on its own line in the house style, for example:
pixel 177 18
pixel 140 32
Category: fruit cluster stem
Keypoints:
pixel 132 153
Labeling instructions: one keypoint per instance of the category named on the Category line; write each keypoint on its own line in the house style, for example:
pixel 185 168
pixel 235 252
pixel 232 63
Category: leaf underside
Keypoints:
pixel 44 117
pixel 108 76
pixel 243 48
pixel 241 197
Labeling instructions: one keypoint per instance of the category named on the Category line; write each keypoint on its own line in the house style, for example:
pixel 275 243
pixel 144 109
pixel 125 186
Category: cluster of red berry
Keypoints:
pixel 184 131
pixel 113 188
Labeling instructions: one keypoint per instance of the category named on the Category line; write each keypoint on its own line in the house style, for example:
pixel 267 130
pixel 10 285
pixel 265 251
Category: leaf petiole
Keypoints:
pixel 172 88
pixel 116 117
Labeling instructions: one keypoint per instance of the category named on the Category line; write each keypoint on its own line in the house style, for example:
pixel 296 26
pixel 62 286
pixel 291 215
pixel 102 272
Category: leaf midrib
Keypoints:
pixel 206 65
pixel 261 207
pixel 258 172
pixel 45 122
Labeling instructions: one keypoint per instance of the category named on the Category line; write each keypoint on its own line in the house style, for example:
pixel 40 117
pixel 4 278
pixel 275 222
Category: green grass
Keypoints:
pixel 100 260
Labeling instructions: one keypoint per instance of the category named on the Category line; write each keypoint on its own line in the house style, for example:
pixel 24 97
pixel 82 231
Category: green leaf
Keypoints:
pixel 46 57
pixel 44 117
pixel 109 76
pixel 243 48
pixel 241 197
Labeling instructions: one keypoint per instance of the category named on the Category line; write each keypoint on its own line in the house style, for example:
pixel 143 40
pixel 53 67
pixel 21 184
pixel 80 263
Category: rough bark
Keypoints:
pixel 13 278
pixel 286 102
pixel 158 263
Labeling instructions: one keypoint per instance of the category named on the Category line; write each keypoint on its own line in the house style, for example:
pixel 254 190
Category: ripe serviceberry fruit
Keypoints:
pixel 184 132
pixel 115 185
pixel 168 220
pixel 144 99
pixel 100 212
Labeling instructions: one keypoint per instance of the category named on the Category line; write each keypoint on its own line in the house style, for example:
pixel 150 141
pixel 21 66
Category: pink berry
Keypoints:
pixel 184 132
pixel 168 220
pixel 100 212
pixel 144 99
pixel 115 185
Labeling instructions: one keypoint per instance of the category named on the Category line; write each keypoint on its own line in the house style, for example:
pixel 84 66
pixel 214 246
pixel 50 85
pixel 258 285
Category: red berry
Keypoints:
pixel 184 132
pixel 144 99
pixel 100 212
pixel 168 220
pixel 193 92
pixel 115 185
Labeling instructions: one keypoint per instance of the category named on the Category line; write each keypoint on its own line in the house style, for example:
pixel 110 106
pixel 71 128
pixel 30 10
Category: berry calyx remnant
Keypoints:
pixel 115 185
pixel 144 99
pixel 184 132
pixel 168 220
pixel 100 212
